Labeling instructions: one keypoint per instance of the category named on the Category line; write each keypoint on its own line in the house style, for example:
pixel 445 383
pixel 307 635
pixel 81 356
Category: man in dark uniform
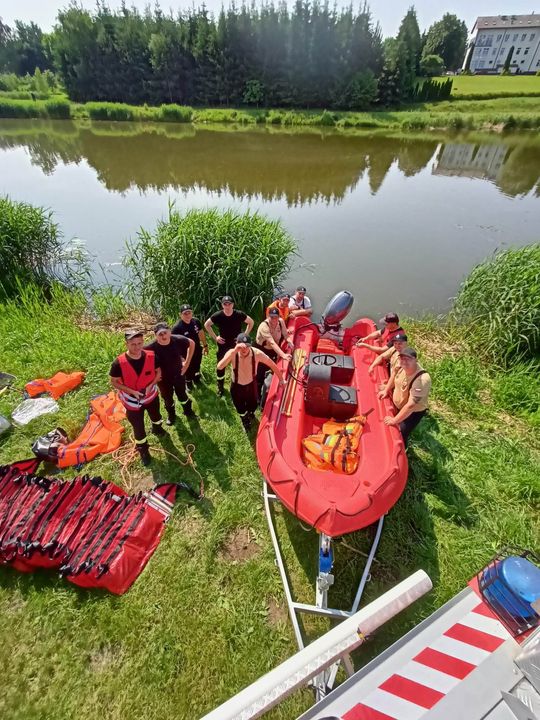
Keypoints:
pixel 191 328
pixel 229 324
pixel 134 375
pixel 245 361
pixel 170 351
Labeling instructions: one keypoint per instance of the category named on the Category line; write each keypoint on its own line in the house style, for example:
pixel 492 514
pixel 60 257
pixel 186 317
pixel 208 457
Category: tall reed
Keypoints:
pixel 500 304
pixel 204 254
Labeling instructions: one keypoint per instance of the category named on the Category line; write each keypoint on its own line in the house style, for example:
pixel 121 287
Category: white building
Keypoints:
pixel 494 37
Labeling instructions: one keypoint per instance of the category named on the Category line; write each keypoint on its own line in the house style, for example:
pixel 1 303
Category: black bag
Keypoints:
pixel 46 446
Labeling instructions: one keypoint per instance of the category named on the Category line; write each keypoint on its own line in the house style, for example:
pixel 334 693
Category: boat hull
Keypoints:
pixel 334 503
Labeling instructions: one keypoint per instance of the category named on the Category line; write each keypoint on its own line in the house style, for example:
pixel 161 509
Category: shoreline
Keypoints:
pixel 490 115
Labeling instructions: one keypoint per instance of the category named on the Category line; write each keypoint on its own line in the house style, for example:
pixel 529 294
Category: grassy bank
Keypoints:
pixel 492 86
pixel 207 615
pixel 499 112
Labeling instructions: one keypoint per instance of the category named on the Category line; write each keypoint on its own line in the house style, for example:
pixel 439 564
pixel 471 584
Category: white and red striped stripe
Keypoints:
pixel 435 671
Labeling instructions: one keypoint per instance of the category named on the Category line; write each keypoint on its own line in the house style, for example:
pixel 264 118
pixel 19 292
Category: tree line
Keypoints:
pixel 312 55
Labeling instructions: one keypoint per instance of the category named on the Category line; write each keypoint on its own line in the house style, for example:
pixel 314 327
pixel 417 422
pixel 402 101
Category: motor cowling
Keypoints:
pixel 337 309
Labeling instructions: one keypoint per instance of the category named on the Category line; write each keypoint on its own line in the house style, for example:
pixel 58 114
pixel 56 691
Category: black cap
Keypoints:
pixel 184 308
pixel 227 298
pixel 389 318
pixel 283 295
pixel 130 334
pixel 301 288
pixel 408 352
pixel 398 337
pixel 243 338
pixel 161 326
pixel 273 312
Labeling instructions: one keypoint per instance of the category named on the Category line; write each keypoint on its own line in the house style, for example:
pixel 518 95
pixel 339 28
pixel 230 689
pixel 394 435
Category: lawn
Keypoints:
pixel 207 616
pixel 493 85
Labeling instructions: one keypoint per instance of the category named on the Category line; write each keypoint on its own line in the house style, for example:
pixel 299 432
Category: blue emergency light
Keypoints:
pixel 511 586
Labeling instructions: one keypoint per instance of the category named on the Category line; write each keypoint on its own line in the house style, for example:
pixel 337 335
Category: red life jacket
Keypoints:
pixel 388 335
pixel 143 382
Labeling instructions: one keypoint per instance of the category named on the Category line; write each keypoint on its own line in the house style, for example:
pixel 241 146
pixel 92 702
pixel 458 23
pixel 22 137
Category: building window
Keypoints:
pixel 523 37
pixel 494 52
pixel 499 37
pixel 526 51
pixel 532 36
pixel 507 37
pixel 481 64
pixel 515 37
pixel 491 62
pixel 502 51
pixel 486 51
pixel 518 51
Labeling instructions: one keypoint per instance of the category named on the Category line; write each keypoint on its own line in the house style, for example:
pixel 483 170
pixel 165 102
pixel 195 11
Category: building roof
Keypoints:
pixel 493 22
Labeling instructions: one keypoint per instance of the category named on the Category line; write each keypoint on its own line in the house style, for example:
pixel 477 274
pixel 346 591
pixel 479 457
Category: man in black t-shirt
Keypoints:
pixel 191 328
pixel 229 324
pixel 134 375
pixel 170 351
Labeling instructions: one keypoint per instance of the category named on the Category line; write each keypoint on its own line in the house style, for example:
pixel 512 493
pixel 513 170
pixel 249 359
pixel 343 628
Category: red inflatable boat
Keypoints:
pixel 335 503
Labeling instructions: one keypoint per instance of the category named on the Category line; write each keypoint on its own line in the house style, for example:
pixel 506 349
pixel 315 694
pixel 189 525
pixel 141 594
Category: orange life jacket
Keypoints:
pixel 336 447
pixel 56 386
pixel 101 434
pixel 145 381
pixel 283 312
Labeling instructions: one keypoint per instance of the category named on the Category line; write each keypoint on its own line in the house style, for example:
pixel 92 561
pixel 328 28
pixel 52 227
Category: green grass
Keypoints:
pixel 198 625
pixel 507 113
pixel 495 85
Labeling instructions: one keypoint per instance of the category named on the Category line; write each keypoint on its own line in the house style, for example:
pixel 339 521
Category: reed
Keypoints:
pixel 57 109
pixel 30 246
pixel 500 304
pixel 204 254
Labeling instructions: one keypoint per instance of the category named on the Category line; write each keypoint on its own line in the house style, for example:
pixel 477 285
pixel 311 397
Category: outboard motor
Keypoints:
pixel 336 310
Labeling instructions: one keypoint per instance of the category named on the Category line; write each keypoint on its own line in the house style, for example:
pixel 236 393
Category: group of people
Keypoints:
pixel 170 365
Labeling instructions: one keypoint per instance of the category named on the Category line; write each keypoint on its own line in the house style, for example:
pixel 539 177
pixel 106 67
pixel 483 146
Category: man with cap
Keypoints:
pixel 245 361
pixel 300 304
pixel 170 350
pixel 134 375
pixel 270 334
pixel 190 327
pixel 410 385
pixel 390 354
pixel 282 304
pixel 229 324
pixel 391 327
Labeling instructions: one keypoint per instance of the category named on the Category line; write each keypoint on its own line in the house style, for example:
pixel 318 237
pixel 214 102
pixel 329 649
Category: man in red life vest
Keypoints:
pixel 134 375
pixel 391 328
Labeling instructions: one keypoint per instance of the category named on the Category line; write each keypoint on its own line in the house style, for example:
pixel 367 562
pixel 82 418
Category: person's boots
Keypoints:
pixel 144 452
pixel 171 416
pixel 188 409
pixel 246 421
pixel 158 430
pixel 221 387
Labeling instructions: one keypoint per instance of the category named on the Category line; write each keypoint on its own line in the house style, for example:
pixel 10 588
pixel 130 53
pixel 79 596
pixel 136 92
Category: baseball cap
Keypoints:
pixel 283 295
pixel 273 312
pixel 243 338
pixel 161 326
pixel 408 352
pixel 184 308
pixel 398 337
pixel 133 333
pixel 389 318
pixel 301 288
pixel 227 298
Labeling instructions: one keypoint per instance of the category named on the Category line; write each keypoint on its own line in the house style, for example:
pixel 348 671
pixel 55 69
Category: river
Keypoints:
pixel 398 220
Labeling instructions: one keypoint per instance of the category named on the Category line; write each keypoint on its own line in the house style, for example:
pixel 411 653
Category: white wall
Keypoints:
pixel 492 47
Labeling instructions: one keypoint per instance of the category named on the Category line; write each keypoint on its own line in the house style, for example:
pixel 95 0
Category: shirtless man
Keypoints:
pixel 245 360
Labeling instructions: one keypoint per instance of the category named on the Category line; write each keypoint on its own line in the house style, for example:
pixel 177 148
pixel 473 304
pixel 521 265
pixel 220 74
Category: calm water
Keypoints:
pixel 397 221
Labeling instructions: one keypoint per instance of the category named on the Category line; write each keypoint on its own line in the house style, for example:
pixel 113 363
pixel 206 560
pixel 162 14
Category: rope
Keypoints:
pixel 126 454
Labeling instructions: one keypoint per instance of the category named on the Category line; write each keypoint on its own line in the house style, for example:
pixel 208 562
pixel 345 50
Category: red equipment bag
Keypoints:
pixel 90 529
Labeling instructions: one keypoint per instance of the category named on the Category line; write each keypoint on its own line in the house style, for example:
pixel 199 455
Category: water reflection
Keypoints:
pixel 299 167
pixel 514 170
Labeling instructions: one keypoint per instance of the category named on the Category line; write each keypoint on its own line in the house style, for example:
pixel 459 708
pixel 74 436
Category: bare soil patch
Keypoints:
pixel 277 612
pixel 239 546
